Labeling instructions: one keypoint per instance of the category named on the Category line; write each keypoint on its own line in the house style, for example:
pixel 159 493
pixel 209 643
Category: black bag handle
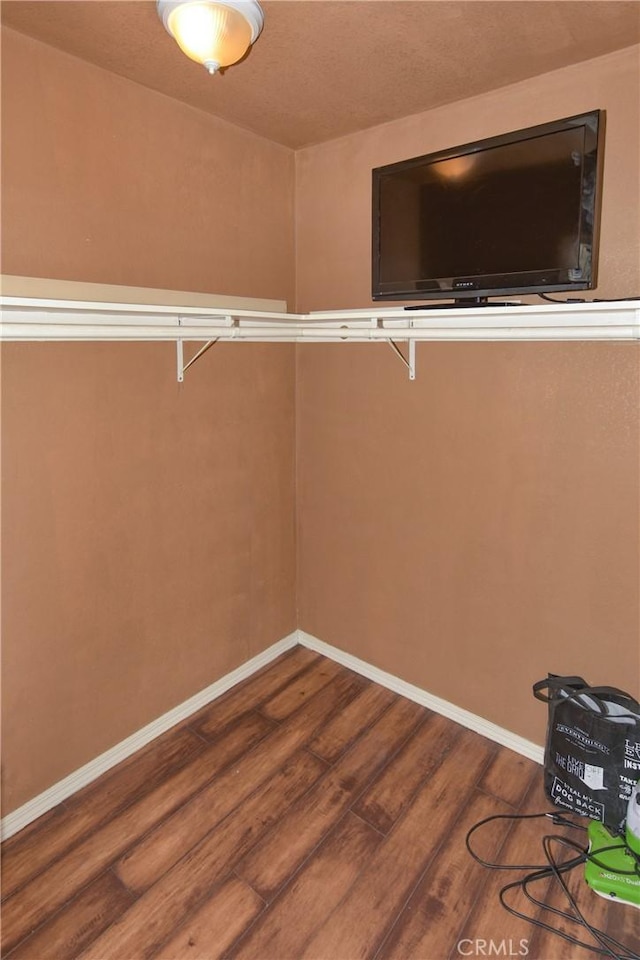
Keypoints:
pixel 603 692
pixel 554 684
pixel 562 689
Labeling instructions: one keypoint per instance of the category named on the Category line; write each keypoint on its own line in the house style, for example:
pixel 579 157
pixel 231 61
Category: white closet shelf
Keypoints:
pixel 25 318
pixel 33 319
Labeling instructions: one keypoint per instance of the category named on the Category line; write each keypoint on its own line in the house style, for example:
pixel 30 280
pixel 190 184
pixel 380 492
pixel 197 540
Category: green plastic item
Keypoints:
pixel 616 876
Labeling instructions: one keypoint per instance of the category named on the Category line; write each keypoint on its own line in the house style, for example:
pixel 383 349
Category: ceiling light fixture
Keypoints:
pixel 215 33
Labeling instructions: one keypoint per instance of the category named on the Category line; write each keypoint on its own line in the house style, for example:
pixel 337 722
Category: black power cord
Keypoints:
pixel 544 296
pixel 608 946
pixel 569 300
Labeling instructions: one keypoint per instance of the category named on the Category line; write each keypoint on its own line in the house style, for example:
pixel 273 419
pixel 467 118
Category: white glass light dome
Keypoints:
pixel 215 33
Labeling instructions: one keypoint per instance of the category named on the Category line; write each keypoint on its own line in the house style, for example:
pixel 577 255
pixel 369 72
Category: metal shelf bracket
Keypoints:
pixel 182 366
pixel 410 362
pixel 228 321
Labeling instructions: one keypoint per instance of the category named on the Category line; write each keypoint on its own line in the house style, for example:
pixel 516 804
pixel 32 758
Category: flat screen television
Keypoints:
pixel 512 214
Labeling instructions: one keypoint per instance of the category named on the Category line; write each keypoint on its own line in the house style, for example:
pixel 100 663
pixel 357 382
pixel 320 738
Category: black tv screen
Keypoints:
pixel 517 213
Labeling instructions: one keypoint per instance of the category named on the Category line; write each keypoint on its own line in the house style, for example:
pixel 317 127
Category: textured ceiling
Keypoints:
pixel 324 68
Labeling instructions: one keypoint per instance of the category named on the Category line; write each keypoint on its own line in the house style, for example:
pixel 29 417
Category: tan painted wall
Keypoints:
pixel 109 182
pixel 479 527
pixel 148 528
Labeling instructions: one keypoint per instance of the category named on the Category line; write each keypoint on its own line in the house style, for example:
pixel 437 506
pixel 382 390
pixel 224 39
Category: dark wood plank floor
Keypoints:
pixel 307 813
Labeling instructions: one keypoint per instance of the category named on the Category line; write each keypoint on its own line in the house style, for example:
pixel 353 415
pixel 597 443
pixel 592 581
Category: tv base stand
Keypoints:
pixel 467 302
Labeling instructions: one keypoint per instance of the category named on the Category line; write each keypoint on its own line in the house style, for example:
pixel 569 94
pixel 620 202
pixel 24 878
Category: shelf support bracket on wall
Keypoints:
pixel 228 321
pixel 182 366
pixel 410 363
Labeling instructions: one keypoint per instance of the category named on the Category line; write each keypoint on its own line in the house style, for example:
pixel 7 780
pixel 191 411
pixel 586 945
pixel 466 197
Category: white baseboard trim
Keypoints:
pixel 471 720
pixel 60 791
